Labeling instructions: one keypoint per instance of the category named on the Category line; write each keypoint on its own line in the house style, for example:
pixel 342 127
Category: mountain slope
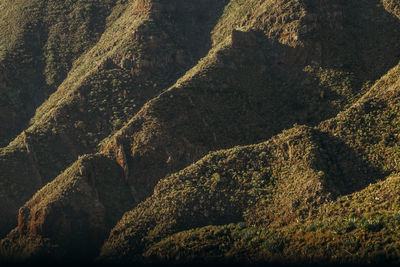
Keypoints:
pixel 105 87
pixel 357 128
pixel 75 211
pixel 39 42
pixel 248 88
pixel 267 65
pixel 360 228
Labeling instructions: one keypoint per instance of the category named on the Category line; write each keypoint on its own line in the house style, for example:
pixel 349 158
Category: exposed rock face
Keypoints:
pixel 2 78
pixel 243 39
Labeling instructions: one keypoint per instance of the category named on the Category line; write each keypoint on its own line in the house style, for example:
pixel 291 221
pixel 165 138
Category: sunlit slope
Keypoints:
pixel 252 84
pixel 360 228
pixel 313 181
pixel 144 51
pixel 39 40
pixel 266 67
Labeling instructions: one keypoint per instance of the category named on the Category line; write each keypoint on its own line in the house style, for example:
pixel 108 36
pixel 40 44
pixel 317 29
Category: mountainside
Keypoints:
pixel 133 60
pixel 148 131
pixel 39 42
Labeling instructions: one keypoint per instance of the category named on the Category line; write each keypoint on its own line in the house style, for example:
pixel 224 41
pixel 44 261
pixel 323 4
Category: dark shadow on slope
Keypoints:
pixel 23 86
pixel 71 225
pixel 314 167
pixel 347 170
pixel 354 36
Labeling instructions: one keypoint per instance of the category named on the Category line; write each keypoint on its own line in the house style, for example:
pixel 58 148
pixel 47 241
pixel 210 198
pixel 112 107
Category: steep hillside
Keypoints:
pixel 75 211
pixel 271 184
pixel 168 83
pixel 360 228
pixel 252 85
pixel 142 52
pixel 39 40
pixel 277 183
pixel 361 132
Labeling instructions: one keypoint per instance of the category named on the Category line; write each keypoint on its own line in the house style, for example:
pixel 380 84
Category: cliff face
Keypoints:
pixel 141 92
